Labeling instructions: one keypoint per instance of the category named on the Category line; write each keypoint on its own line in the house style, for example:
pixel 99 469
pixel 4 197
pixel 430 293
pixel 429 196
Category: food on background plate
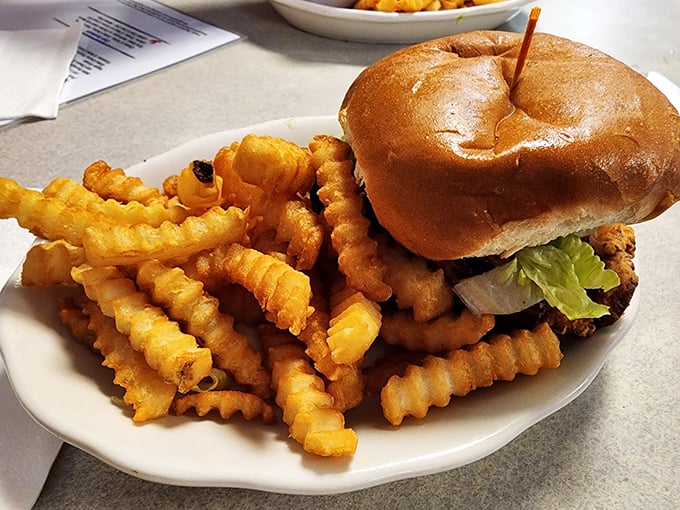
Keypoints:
pixel 449 242
pixel 418 5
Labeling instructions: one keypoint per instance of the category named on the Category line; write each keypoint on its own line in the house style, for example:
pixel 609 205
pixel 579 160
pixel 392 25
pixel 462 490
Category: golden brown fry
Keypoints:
pixel 186 302
pixel 154 213
pixel 463 370
pixel 393 362
pixel 345 381
pixel 294 224
pixel 413 283
pixel 283 292
pixel 207 266
pixel 416 5
pixel 315 333
pixel 349 389
pixel 174 354
pixel 130 244
pixel 282 223
pixel 234 190
pixel 354 324
pixel 445 333
pixel 275 165
pixel 51 263
pixel 343 210
pixel 74 318
pixel 307 408
pixel 145 390
pixel 238 302
pixel 47 218
pixel 227 403
pixel 170 184
pixel 106 182
pixel 198 185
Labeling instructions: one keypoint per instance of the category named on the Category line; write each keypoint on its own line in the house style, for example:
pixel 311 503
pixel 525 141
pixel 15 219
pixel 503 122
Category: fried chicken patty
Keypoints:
pixel 614 244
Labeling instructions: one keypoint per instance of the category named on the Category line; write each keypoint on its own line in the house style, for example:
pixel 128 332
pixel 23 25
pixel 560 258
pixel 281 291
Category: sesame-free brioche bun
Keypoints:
pixel 455 164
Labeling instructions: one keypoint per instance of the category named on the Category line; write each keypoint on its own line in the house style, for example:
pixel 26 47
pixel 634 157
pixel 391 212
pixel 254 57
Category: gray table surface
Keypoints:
pixel 615 446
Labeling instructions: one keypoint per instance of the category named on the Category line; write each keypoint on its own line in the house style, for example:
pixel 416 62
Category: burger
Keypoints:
pixel 523 191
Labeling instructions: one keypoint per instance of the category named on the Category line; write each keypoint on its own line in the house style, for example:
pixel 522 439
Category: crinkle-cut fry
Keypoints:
pixel 74 194
pixel 502 357
pixel 315 333
pixel 106 182
pixel 145 390
pixel 74 318
pixel 185 301
pixel 414 284
pixel 238 302
pixel 282 292
pixel 349 389
pixel 445 333
pixel 227 403
pixel 207 266
pixel 173 354
pixel 311 418
pixel 277 166
pixel 50 263
pixel 199 186
pixel 234 190
pixel 130 244
pixel 345 381
pixel 411 5
pixel 295 224
pixel 354 324
pixel 47 218
pixel 343 210
pixel 394 362
pixel 169 186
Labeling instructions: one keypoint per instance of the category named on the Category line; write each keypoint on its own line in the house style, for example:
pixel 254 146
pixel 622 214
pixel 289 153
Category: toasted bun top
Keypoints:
pixel 455 164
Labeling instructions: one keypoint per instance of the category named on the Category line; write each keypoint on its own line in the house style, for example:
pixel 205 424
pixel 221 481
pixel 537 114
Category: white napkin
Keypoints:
pixel 33 67
pixel 27 451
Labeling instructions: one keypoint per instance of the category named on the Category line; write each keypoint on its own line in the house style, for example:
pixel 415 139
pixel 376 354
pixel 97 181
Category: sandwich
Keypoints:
pixel 523 191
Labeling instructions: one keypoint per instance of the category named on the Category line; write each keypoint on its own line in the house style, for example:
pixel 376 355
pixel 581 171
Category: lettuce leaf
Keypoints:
pixel 502 290
pixel 559 272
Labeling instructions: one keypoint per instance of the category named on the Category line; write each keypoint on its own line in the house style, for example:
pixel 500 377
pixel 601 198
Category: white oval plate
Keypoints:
pixel 64 388
pixel 391 27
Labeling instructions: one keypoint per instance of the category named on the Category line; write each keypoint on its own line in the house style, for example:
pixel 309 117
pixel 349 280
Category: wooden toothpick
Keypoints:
pixel 526 42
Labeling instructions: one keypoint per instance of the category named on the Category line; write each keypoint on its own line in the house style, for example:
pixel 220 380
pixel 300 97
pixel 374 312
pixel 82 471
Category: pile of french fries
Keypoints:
pixel 273 237
pixel 418 5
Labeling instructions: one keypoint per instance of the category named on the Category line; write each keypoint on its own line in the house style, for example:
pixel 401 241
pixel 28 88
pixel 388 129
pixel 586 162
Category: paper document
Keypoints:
pixel 121 39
